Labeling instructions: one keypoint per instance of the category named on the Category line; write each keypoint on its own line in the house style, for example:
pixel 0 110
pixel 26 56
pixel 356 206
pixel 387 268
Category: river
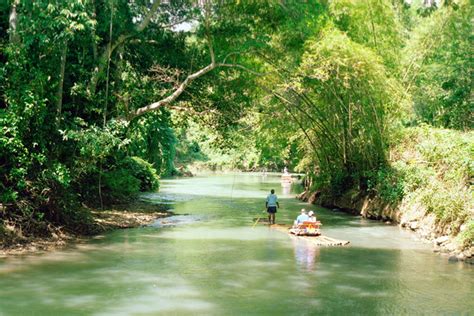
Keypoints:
pixel 209 260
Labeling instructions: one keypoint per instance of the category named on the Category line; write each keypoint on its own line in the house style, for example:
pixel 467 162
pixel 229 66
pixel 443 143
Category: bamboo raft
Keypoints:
pixel 319 240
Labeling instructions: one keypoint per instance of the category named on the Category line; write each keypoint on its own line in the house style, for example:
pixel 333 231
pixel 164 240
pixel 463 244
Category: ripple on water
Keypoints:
pixel 216 233
pixel 155 295
pixel 178 220
pixel 153 304
pixel 163 197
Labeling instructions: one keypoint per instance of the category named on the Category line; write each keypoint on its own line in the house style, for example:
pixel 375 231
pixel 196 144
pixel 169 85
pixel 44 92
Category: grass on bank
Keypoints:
pixel 434 168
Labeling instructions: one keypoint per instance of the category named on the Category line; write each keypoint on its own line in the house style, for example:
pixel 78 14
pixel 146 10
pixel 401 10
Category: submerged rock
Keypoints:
pixel 469 260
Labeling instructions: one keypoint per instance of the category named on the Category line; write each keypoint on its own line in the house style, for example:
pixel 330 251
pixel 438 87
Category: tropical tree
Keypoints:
pixel 438 67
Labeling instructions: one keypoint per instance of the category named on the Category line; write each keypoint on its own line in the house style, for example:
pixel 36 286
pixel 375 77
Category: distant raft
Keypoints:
pixel 286 180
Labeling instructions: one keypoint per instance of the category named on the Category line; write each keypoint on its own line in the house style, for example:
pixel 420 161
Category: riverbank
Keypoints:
pixel 424 225
pixel 427 189
pixel 123 216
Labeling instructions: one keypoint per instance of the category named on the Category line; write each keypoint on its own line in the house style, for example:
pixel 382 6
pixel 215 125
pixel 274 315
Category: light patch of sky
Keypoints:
pixel 190 25
pixel 180 27
pixel 411 1
pixel 185 26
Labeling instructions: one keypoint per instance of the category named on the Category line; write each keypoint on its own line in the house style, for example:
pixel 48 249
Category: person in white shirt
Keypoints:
pixel 303 217
pixel 271 204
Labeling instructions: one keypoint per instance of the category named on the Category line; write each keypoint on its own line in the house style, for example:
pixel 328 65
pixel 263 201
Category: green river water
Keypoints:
pixel 208 260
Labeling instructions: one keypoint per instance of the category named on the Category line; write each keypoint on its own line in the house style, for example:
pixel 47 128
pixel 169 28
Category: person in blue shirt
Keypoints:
pixel 271 204
pixel 303 217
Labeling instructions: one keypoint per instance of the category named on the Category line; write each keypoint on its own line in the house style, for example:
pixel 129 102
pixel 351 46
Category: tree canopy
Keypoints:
pixel 98 97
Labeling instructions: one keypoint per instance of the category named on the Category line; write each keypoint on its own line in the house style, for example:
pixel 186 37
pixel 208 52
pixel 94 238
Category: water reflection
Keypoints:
pixel 306 253
pixel 285 188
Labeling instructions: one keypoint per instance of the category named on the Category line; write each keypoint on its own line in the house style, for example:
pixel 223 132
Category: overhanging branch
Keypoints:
pixel 182 86
pixel 154 106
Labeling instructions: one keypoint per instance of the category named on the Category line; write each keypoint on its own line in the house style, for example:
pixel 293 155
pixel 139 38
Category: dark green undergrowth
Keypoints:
pixel 56 200
pixel 128 178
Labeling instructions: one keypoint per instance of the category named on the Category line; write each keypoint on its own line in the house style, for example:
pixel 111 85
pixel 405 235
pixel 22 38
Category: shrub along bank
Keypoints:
pixel 50 216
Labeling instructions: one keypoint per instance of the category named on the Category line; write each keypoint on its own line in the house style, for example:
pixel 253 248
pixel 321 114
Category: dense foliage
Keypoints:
pixel 77 77
pixel 72 71
pixel 439 67
pixel 341 107
pixel 100 98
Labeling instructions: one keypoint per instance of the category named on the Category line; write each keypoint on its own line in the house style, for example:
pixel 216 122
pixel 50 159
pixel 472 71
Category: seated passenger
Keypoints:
pixel 302 217
pixel 312 217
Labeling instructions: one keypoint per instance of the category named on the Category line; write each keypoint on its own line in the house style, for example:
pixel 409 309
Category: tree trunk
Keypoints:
pixel 59 93
pixel 99 70
pixel 13 23
pixel 109 50
pixel 374 34
pixel 94 44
